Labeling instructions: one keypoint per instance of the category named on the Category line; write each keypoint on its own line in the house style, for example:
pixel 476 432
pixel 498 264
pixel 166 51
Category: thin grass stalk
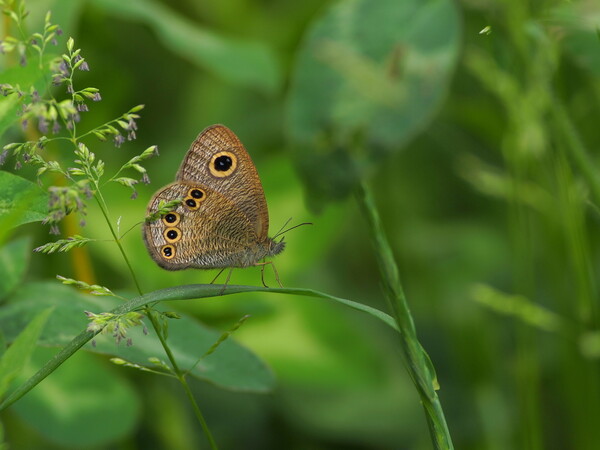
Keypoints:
pixel 157 329
pixel 417 362
pixel 521 226
pixel 580 374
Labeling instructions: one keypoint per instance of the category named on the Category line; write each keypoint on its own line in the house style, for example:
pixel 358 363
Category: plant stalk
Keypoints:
pixel 157 328
pixel 416 359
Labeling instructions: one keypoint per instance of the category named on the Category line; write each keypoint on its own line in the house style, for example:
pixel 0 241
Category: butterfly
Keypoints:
pixel 222 218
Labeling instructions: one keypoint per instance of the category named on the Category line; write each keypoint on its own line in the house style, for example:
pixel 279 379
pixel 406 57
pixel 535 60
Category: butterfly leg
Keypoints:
pixel 226 281
pixel 262 273
pixel 215 278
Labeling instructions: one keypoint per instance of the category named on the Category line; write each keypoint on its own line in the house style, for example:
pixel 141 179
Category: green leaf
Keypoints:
pixel 70 307
pixel 15 357
pixel 14 257
pixel 85 404
pixel 244 62
pixel 367 80
pixel 21 201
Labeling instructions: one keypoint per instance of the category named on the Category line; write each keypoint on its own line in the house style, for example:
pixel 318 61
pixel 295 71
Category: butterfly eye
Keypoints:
pixel 171 219
pixel 172 235
pixel 168 251
pixel 222 164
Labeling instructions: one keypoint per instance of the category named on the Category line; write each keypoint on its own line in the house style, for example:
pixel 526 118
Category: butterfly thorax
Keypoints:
pixel 245 257
pixel 252 255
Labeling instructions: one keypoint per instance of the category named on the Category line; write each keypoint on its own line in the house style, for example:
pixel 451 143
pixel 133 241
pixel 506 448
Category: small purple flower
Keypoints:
pixel 18 165
pixel 24 124
pixel 145 178
pixel 76 117
pixel 26 157
pixel 87 191
pixel 54 41
pixel 35 97
pixel 70 125
pixel 132 125
pixel 134 195
pixel 129 342
pixel 33 42
pixel 82 223
pixel 82 107
pixel 59 31
pixel 54 229
pixel 23 60
pixel 84 67
pixel 63 69
pixel 43 125
pixel 119 140
pixel 3 157
pixel 97 97
pixel 55 127
pixel 69 88
pixel 94 343
pixel 131 136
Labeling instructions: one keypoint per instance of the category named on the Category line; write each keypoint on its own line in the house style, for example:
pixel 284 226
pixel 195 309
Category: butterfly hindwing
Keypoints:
pixel 191 235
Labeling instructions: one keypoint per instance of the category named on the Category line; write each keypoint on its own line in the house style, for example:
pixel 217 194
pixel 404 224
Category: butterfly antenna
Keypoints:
pixel 280 232
pixel 284 225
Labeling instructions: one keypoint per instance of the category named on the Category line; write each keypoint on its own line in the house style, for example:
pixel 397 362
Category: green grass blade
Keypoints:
pixel 14 359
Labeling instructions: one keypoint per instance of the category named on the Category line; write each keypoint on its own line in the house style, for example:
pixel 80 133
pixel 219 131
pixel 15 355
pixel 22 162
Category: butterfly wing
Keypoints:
pixel 207 230
pixel 218 159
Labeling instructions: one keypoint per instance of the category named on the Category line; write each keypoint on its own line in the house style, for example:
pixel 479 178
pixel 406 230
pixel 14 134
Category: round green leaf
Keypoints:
pixel 368 77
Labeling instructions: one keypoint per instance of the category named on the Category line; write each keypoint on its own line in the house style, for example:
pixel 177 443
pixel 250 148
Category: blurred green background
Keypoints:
pixel 482 156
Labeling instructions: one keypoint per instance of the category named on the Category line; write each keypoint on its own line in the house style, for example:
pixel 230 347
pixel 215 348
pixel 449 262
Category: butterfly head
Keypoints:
pixel 275 247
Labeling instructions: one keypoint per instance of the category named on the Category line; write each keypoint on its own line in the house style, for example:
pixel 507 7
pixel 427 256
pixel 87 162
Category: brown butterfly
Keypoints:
pixel 222 220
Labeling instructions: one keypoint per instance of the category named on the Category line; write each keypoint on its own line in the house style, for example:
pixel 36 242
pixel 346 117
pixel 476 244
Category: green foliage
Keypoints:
pixel 232 366
pixel 366 81
pixel 241 62
pixel 21 201
pixel 472 127
pixel 85 404
pixel 13 360
pixel 14 257
pixel 63 245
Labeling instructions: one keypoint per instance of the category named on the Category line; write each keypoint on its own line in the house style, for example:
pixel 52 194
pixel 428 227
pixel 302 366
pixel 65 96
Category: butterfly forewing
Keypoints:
pixel 218 159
